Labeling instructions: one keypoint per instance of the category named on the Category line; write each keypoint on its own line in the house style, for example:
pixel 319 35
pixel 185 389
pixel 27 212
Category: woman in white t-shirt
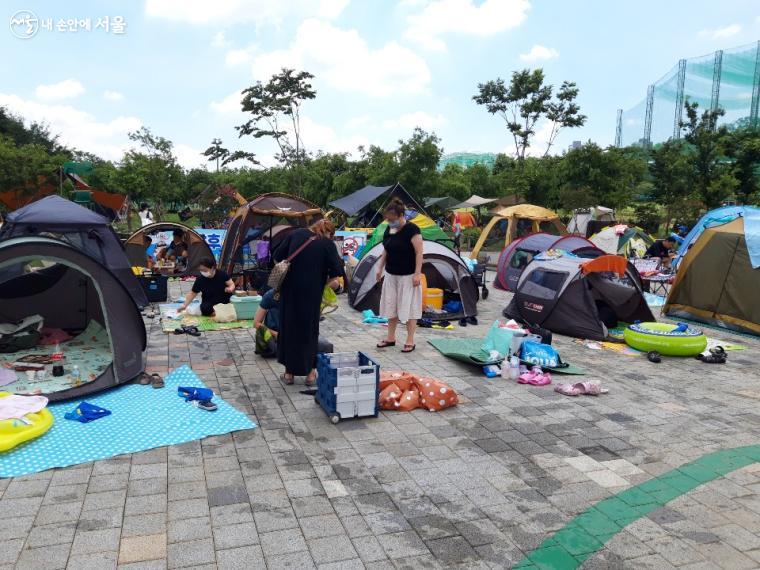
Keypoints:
pixel 146 217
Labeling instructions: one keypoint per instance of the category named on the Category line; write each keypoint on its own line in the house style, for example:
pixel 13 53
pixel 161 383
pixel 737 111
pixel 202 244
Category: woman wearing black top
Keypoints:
pixel 401 298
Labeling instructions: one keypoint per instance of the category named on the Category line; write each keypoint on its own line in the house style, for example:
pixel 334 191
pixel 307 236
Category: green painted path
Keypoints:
pixel 579 539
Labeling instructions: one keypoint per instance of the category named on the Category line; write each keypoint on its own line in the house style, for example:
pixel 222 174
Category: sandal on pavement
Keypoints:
pixel 567 389
pixel 289 380
pixel 309 382
pixel 409 348
pixel 386 343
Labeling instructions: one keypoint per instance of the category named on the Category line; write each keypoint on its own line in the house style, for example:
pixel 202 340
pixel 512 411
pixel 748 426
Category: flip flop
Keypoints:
pixel 567 389
pixel 191 330
pixel 157 381
pixel 386 343
pixel 410 350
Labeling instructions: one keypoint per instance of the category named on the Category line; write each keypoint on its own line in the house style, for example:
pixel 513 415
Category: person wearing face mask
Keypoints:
pixel 214 285
pixel 401 263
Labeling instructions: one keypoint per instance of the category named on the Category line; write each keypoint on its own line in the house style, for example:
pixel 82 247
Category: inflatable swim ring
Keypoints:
pixel 15 432
pixel 665 339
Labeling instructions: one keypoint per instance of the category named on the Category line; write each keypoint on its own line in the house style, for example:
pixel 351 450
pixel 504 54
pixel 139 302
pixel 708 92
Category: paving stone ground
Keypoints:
pixel 476 486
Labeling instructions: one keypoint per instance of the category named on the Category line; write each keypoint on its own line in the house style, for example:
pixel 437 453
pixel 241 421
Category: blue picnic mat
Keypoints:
pixel 142 418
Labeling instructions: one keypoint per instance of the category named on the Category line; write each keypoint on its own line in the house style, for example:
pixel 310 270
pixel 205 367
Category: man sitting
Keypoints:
pixel 267 325
pixel 663 250
pixel 214 285
pixel 176 250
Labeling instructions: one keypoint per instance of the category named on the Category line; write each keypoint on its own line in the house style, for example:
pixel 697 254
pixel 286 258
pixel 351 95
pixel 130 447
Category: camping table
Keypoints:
pixel 658 284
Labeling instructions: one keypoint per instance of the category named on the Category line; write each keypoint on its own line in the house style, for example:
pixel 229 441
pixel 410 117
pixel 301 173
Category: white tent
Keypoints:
pixel 582 216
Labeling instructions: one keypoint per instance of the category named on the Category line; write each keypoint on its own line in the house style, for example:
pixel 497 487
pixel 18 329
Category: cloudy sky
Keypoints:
pixel 382 67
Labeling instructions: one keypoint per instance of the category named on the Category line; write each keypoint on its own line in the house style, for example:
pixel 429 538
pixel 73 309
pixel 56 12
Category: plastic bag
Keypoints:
pixel 224 313
pixel 540 354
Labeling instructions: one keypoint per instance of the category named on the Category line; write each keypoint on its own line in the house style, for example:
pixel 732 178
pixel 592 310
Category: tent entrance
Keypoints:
pixel 71 308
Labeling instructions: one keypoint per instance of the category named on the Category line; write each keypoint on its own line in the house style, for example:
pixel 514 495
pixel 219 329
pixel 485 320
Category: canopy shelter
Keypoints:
pixel 578 297
pixel 718 217
pixel 84 229
pixel 79 297
pixel 518 254
pixel 144 243
pixel 518 221
pixel 359 204
pixel 475 201
pixel 442 268
pixel 428 228
pixel 716 282
pixel 581 222
pixel 628 241
pixel 441 203
pixel 257 220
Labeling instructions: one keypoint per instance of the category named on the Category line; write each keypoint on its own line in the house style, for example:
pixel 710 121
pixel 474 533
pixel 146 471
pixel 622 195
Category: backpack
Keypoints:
pixel 21 335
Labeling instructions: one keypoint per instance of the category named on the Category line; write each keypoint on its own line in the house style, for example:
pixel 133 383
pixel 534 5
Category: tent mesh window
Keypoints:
pixel 544 284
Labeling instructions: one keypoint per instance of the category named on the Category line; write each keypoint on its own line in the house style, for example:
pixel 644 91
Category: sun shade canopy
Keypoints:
pixel 475 201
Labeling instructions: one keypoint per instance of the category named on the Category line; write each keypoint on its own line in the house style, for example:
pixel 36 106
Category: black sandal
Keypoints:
pixel 144 379
pixel 157 381
pixel 386 343
pixel 191 330
pixel 410 350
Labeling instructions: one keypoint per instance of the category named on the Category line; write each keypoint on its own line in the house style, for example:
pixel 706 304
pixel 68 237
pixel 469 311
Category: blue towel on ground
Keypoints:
pixel 86 412
pixel 191 393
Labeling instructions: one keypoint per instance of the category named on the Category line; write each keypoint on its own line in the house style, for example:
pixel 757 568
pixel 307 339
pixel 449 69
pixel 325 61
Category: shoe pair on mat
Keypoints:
pixel 717 356
pixel 535 377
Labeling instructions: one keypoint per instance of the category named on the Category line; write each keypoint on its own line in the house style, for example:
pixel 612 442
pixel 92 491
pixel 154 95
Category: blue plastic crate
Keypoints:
pixel 348 385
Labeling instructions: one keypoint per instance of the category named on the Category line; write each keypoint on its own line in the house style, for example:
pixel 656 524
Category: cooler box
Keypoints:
pixel 155 287
pixel 245 307
pixel 433 298
pixel 348 385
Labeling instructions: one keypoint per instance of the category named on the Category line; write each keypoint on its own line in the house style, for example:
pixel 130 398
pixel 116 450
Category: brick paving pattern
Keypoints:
pixel 476 486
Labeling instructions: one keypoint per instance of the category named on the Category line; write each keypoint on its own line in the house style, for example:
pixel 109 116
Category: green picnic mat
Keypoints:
pixel 463 349
pixel 468 350
pixel 204 324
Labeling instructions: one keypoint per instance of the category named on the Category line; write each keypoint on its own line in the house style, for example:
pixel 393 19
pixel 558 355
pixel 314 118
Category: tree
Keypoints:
pixel 711 176
pixel 216 152
pixel 744 148
pixel 417 160
pixel 525 101
pixel 272 106
pixel 671 171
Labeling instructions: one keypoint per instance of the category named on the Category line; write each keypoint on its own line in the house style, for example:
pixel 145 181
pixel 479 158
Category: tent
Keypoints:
pixel 579 223
pixel 710 219
pixel 441 203
pixel 520 220
pixel 475 201
pixel 716 282
pixel 628 241
pixel 257 220
pixel 358 204
pixel 429 229
pixel 135 246
pixel 84 229
pixel 578 297
pixel 466 218
pixel 518 254
pixel 443 269
pixel 71 291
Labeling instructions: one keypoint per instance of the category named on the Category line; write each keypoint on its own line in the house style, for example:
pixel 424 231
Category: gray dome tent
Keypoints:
pixel 442 267
pixel 73 292
pixel 574 296
pixel 85 230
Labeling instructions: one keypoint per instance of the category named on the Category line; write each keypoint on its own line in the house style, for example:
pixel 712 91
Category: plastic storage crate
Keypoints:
pixel 348 385
pixel 245 307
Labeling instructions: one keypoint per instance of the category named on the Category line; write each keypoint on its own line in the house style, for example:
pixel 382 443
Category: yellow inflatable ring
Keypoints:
pixel 15 432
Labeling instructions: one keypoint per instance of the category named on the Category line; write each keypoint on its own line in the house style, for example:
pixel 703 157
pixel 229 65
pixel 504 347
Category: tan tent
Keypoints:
pixel 522 220
pixel 197 248
pixel 716 283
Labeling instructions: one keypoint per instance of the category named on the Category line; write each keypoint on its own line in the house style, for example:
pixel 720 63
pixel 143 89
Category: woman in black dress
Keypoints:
pixel 301 297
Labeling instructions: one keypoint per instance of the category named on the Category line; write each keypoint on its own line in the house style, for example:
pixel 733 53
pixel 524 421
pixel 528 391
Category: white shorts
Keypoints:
pixel 400 298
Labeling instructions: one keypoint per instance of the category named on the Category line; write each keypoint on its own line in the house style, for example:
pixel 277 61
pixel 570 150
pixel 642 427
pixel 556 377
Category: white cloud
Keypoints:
pixel 322 137
pixel 539 53
pixel 189 157
pixel 228 105
pixel 343 59
pixel 538 144
pixel 66 89
pixel 231 12
pixel 409 121
pixel 721 33
pixel 220 41
pixel 112 95
pixel 240 56
pixel 441 17
pixel 77 128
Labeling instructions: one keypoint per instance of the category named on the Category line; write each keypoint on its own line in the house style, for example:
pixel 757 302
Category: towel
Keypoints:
pixel 86 412
pixel 16 407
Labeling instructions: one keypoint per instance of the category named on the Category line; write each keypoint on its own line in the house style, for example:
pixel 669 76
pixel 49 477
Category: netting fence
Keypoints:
pixel 729 79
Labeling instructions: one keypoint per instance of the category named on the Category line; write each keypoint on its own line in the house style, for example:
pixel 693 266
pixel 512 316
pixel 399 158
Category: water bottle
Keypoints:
pixel 514 368
pixel 76 374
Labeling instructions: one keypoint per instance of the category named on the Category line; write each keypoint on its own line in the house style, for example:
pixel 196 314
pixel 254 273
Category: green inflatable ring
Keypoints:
pixel 663 338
